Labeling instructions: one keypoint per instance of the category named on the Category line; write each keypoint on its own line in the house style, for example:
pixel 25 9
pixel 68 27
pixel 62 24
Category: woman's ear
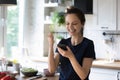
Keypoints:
pixel 82 29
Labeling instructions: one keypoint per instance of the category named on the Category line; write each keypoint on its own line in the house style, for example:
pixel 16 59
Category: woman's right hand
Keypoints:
pixel 50 39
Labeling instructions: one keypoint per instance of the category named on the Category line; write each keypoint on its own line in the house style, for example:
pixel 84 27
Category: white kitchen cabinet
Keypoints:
pixel 105 12
pixel 104 74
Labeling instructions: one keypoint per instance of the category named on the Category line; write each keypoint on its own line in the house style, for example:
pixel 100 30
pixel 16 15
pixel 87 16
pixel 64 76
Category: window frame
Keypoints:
pixel 3 27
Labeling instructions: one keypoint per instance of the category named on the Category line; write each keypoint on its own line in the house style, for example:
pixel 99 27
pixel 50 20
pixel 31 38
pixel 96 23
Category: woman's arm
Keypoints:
pixel 53 59
pixel 83 70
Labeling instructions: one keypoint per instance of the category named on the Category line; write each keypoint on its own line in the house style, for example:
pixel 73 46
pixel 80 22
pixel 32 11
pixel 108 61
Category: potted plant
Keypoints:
pixel 58 25
pixel 58 20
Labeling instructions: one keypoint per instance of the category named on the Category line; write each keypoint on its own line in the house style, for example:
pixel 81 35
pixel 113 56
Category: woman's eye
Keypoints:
pixel 67 23
pixel 71 24
pixel 74 24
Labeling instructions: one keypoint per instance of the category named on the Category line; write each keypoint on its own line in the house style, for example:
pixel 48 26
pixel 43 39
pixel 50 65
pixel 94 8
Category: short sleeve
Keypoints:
pixel 90 51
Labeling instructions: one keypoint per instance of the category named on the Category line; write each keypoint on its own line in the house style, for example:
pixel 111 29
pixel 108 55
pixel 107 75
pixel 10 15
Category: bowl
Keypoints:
pixel 29 72
pixel 47 73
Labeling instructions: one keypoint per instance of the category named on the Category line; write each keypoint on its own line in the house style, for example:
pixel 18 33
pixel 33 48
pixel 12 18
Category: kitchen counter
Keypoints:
pixel 56 77
pixel 102 63
pixel 98 63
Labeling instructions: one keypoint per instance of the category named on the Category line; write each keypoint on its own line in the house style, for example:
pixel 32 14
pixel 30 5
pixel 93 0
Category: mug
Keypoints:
pixel 47 73
pixel 16 67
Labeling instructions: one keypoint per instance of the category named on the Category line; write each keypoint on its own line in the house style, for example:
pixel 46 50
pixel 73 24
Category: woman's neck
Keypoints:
pixel 75 40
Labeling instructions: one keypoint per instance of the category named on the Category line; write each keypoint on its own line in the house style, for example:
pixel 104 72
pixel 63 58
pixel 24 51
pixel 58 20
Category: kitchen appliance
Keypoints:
pixel 85 5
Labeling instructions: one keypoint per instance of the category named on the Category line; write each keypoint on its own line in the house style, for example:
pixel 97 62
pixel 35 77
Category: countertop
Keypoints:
pixel 55 77
pixel 98 63
pixel 102 63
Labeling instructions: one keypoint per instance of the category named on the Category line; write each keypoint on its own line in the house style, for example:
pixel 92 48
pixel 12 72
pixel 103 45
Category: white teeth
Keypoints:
pixel 72 30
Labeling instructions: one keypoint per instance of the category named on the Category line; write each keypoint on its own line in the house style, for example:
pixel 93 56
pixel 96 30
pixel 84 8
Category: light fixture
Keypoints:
pixel 7 2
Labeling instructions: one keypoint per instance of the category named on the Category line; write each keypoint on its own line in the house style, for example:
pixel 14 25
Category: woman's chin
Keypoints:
pixel 71 34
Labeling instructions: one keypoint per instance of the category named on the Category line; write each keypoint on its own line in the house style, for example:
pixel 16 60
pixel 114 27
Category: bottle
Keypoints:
pixel 4 64
pixel 3 60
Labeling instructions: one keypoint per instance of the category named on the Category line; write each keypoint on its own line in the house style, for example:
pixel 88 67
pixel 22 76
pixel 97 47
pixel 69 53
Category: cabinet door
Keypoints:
pixel 103 74
pixel 105 14
pixel 118 18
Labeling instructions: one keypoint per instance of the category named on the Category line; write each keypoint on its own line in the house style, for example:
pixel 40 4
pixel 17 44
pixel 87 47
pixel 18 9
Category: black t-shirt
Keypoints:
pixel 83 50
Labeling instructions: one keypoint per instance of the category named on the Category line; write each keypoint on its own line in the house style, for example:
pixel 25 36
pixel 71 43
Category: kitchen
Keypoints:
pixel 105 45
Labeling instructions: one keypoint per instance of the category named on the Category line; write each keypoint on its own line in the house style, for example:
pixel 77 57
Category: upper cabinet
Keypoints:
pixel 105 14
pixel 85 5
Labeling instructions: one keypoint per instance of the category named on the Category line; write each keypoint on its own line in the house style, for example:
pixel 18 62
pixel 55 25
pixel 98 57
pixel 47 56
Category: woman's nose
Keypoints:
pixel 70 26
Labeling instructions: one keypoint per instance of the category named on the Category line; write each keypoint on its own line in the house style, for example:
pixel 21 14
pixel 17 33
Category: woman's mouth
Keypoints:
pixel 72 31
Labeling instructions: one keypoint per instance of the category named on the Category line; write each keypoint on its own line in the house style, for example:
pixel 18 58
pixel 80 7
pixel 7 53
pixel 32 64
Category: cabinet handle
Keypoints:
pixel 104 27
pixel 118 76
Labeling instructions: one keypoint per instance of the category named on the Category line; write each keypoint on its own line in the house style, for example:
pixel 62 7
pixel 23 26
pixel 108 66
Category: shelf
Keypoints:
pixel 51 5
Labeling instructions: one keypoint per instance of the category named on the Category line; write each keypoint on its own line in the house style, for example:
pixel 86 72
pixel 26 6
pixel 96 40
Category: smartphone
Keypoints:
pixel 62 46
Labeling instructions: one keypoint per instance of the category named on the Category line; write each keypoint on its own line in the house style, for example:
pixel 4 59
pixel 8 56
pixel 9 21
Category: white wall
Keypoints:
pixel 33 27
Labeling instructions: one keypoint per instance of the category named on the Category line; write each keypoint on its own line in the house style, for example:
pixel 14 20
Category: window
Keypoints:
pixel 12 29
pixel 9 29
pixel 23 28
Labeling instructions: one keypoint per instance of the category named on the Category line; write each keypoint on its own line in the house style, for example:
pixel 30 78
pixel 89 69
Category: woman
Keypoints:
pixel 76 61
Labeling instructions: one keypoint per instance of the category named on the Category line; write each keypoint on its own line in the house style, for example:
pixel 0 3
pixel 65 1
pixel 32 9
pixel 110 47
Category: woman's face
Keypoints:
pixel 73 24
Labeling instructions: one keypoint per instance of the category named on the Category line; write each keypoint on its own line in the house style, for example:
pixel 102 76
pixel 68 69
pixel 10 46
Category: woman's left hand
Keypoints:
pixel 66 53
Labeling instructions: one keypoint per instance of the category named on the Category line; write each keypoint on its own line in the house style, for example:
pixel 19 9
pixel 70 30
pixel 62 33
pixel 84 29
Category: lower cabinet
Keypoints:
pixel 104 74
